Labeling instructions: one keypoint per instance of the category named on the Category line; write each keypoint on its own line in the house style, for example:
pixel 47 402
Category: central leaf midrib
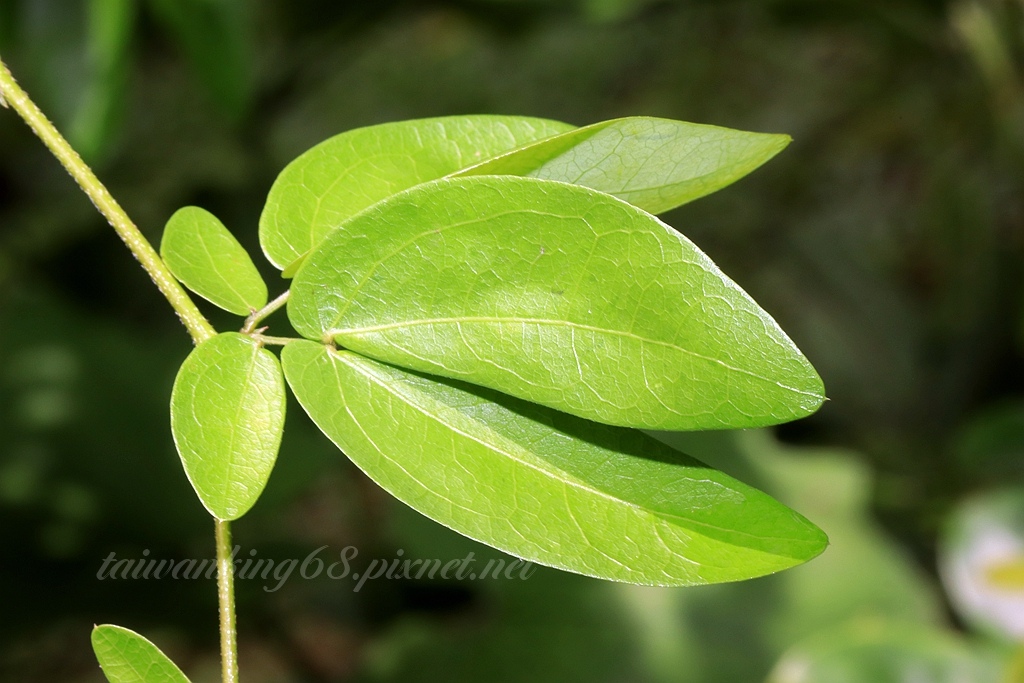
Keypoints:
pixel 341 335
pixel 214 267
pixel 555 474
pixel 231 462
pixel 687 521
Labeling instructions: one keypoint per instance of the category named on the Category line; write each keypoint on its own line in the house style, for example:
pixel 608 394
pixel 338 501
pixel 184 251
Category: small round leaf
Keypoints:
pixel 207 259
pixel 227 416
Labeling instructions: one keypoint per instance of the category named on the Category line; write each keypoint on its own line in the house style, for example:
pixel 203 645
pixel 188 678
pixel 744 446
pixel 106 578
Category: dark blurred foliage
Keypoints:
pixel 886 240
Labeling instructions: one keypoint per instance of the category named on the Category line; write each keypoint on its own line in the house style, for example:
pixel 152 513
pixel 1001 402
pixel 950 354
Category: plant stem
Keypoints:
pixel 11 95
pixel 226 600
pixel 272 341
pixel 258 316
pixel 18 99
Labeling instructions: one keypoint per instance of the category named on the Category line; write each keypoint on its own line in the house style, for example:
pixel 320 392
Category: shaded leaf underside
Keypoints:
pixel 546 486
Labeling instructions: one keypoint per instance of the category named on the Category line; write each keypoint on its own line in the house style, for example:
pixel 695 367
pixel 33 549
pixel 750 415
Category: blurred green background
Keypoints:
pixel 887 240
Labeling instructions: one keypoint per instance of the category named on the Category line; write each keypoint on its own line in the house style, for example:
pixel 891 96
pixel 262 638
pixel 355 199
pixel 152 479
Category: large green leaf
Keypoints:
pixel 557 294
pixel 349 172
pixel 227 415
pixel 655 164
pixel 127 657
pixel 549 487
pixel 207 259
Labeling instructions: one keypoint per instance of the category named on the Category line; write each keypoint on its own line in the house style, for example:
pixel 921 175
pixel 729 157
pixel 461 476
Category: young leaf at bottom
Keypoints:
pixel 227 415
pixel 598 500
pixel 208 259
pixel 127 657
pixel 342 176
pixel 557 294
pixel 654 164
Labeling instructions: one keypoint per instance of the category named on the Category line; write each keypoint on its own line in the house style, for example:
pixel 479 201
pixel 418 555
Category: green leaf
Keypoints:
pixel 349 172
pixel 655 164
pixel 207 259
pixel 127 657
pixel 548 487
pixel 227 415
pixel 557 294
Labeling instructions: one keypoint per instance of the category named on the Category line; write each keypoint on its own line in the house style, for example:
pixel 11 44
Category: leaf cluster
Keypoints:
pixel 489 310
pixel 471 292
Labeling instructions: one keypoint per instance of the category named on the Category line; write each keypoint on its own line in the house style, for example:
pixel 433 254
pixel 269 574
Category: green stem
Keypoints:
pixel 16 98
pixel 259 316
pixel 272 341
pixel 226 599
pixel 11 95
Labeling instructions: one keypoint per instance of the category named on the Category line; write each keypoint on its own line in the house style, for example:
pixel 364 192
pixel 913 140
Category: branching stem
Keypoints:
pixel 267 340
pixel 259 316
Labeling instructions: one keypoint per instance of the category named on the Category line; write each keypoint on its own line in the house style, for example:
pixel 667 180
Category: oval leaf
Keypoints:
pixel 207 259
pixel 549 487
pixel 557 294
pixel 127 657
pixel 349 172
pixel 655 164
pixel 227 415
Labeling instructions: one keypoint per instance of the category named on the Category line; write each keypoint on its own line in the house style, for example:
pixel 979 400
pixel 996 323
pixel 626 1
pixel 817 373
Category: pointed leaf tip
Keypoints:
pixel 557 294
pixel 654 164
pixel 548 487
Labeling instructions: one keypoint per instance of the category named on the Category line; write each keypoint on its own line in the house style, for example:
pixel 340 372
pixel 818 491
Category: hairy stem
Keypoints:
pixel 226 600
pixel 17 99
pixel 11 95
